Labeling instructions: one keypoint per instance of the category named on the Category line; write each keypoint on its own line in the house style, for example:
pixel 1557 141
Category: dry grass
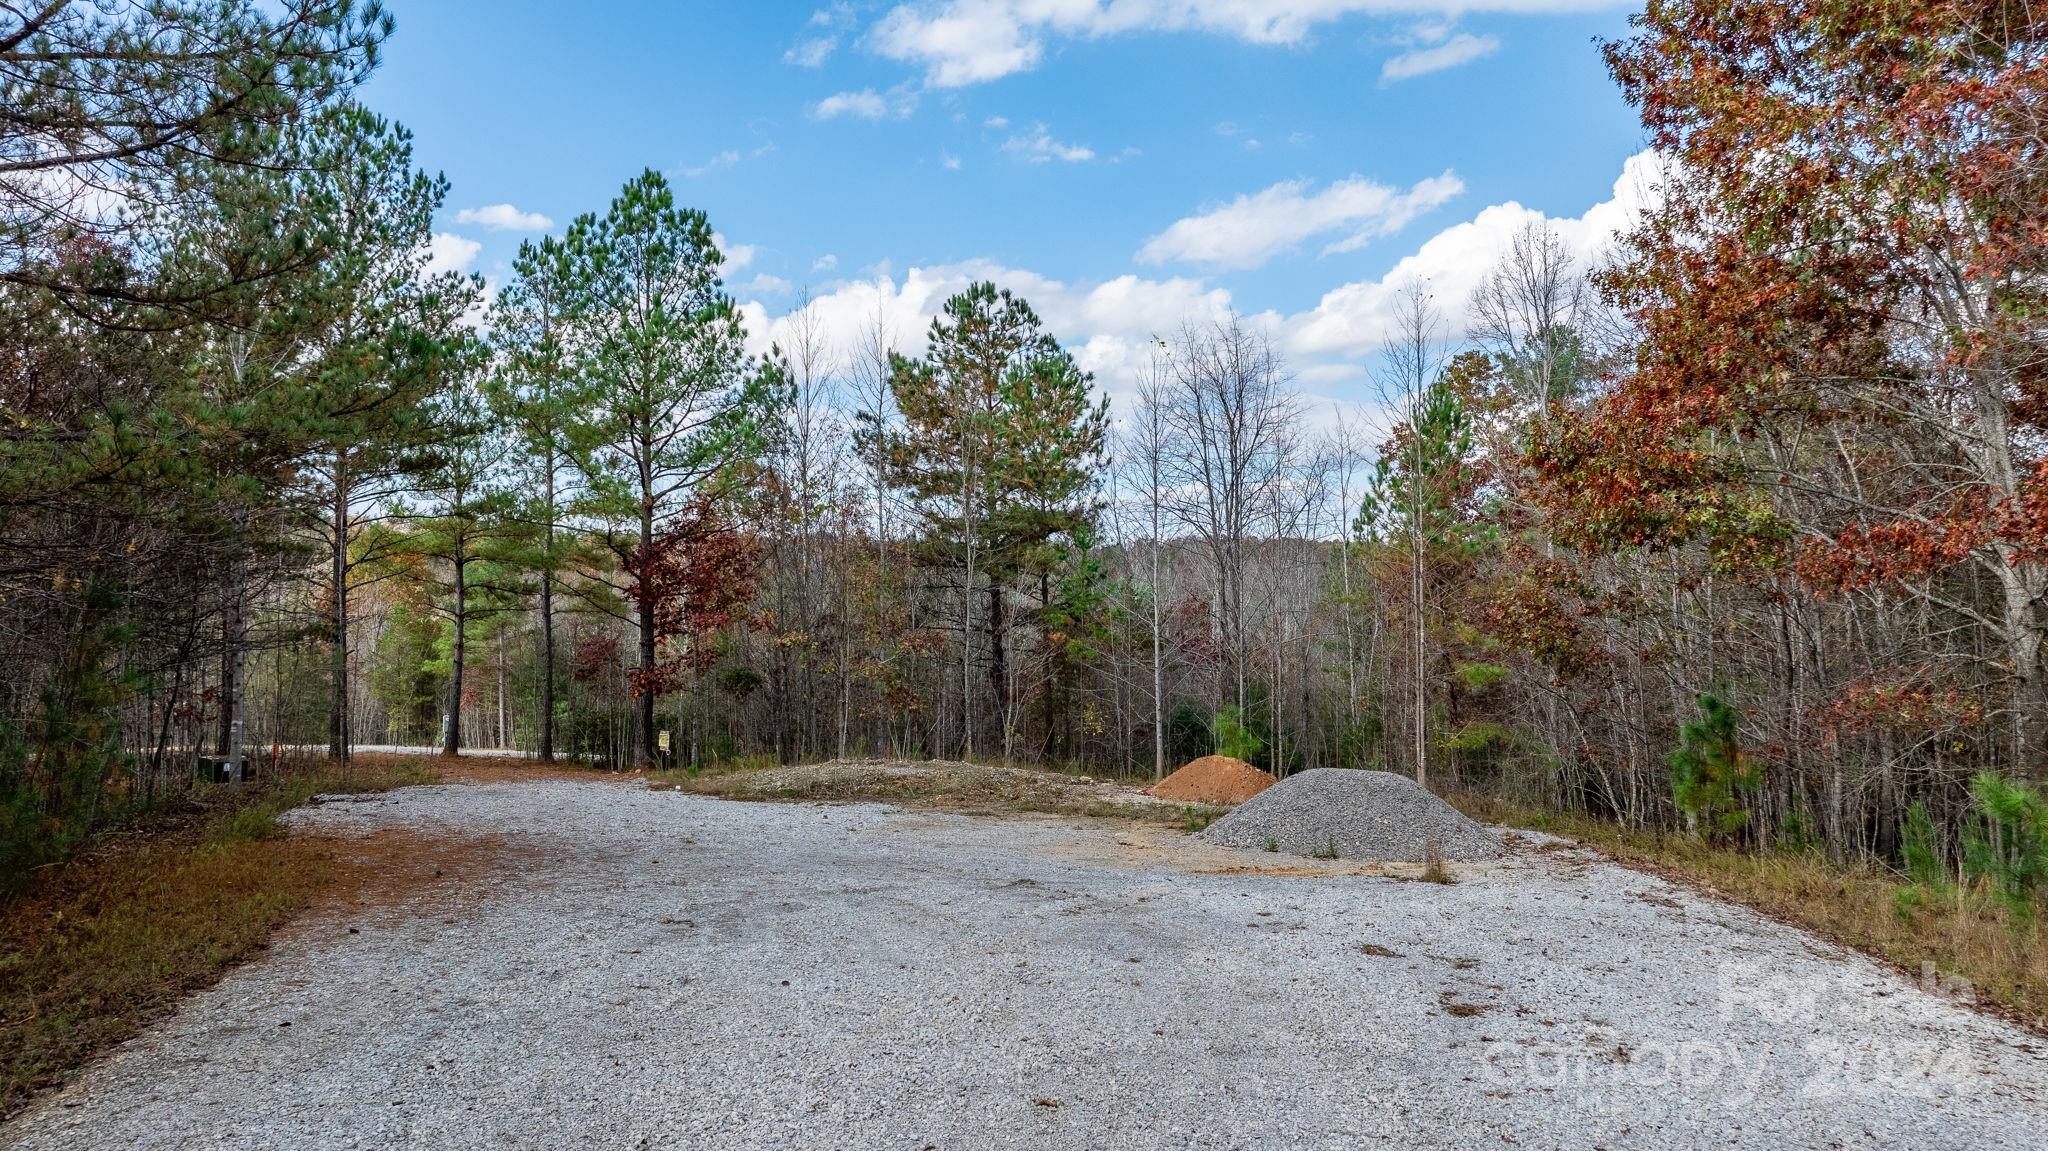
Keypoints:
pixel 939 785
pixel 1965 939
pixel 92 950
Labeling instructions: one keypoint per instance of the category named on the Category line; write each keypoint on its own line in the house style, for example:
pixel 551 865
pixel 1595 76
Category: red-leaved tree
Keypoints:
pixel 696 577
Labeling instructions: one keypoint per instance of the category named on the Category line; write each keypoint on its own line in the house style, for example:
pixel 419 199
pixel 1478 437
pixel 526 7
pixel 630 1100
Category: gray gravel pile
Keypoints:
pixel 1370 815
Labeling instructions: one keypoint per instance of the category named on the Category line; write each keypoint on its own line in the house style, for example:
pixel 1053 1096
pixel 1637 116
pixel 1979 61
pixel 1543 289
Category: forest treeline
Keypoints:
pixel 1738 528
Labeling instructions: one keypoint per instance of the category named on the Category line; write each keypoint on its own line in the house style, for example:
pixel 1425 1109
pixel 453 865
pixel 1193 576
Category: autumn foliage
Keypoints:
pixel 697 577
pixel 1835 364
pixel 1849 244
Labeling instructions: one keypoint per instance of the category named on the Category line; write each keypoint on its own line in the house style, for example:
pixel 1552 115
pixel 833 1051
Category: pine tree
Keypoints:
pixel 999 441
pixel 1709 773
pixel 534 393
pixel 1414 496
pixel 458 533
pixel 668 397
pixel 388 334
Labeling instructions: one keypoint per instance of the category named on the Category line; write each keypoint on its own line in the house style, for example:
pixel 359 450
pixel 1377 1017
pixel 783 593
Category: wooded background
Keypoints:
pixel 1739 531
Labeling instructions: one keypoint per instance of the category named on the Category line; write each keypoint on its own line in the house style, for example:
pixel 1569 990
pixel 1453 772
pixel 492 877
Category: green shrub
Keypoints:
pixel 1795 833
pixel 245 824
pixel 1920 848
pixel 1479 736
pixel 2009 846
pixel 1233 738
pixel 1709 774
pixel 1188 733
pixel 1359 737
pixel 1479 676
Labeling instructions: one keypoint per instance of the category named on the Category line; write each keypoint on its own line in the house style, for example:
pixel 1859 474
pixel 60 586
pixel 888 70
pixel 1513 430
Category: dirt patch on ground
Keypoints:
pixel 1136 844
pixel 406 870
pixel 506 769
pixel 1214 779
pixel 936 785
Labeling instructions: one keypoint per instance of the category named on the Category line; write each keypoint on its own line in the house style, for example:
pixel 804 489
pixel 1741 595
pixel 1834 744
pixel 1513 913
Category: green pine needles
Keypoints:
pixel 1709 775
pixel 1233 737
pixel 2007 847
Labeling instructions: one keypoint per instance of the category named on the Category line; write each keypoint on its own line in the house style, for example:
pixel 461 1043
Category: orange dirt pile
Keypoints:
pixel 1213 779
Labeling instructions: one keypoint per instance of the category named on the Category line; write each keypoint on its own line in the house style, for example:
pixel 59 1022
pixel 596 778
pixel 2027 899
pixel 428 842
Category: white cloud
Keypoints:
pixel 825 263
pixel 504 218
pixel 811 53
pixel 1110 325
pixel 737 256
pixel 1251 230
pixel 867 104
pixel 949 161
pixel 1039 147
pixel 963 42
pixel 996 122
pixel 1354 319
pixel 725 159
pixel 448 252
pixel 768 285
pixel 1460 49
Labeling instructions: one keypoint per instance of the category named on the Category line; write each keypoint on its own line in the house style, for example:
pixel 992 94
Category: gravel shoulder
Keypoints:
pixel 659 969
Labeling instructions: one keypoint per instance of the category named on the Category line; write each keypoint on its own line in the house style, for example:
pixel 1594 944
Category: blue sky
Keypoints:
pixel 1123 163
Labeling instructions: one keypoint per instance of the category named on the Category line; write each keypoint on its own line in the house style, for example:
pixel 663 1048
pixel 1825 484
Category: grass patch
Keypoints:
pixel 1966 937
pixel 92 950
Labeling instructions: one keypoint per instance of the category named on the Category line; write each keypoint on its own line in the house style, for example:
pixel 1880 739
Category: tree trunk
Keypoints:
pixel 1158 672
pixel 504 718
pixel 1416 604
pixel 547 663
pixel 2022 589
pixel 451 739
pixel 997 663
pixel 337 709
pixel 230 658
pixel 643 751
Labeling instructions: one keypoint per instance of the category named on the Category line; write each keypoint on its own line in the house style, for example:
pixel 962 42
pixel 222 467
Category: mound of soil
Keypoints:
pixel 932 784
pixel 1212 779
pixel 1369 815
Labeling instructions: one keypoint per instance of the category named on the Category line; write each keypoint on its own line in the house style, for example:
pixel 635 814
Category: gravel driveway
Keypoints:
pixel 663 970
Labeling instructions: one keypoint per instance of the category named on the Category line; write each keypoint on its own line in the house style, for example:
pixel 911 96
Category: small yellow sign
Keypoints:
pixel 661 740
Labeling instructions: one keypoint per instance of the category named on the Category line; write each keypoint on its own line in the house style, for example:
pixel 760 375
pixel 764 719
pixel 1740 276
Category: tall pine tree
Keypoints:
pixel 669 398
pixel 999 440
pixel 534 393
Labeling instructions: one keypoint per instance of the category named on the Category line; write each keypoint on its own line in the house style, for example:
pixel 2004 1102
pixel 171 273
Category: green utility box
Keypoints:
pixel 214 769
